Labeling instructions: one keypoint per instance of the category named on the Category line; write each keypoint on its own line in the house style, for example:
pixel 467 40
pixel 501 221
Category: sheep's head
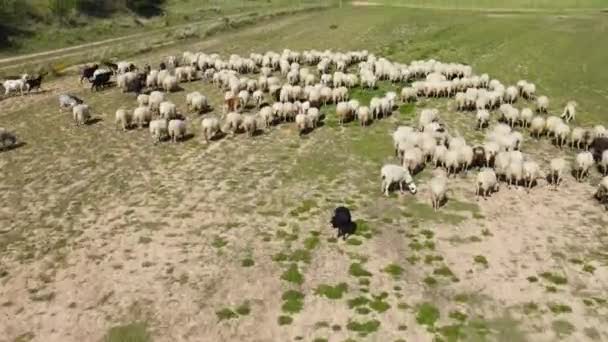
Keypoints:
pixel 412 187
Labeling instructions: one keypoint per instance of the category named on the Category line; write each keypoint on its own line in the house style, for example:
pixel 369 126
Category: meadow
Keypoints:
pixel 105 236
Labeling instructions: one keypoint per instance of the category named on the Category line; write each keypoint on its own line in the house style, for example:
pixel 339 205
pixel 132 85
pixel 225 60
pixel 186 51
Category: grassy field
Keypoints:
pixel 518 5
pixel 105 236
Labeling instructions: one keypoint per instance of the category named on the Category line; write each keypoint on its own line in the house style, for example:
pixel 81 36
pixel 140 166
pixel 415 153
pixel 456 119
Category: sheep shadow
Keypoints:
pixel 442 202
pixel 13 146
pixel 187 137
pixel 218 136
pixel 93 121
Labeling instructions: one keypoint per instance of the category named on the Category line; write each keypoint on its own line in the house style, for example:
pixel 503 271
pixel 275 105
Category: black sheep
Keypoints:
pixel 87 72
pixel 100 80
pixel 598 146
pixel 34 83
pixel 342 221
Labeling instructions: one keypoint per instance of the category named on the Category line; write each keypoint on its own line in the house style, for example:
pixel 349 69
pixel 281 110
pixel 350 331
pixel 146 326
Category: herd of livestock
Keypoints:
pixel 266 89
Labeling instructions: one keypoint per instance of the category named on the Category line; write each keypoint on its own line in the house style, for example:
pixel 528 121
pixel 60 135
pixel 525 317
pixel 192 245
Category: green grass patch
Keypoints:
pixel 311 242
pixel 558 308
pixel 293 301
pixel 218 242
pixel 554 278
pixel 353 241
pixel 134 332
pixel 356 269
pixel 243 309
pixel 300 255
pixel 284 320
pixel 364 229
pixel 412 259
pixel 332 292
pixel 480 259
pixel 453 332
pixel 225 314
pixel 427 314
pixel 457 315
pixel 364 327
pixel 394 270
pixel 589 268
pixel 562 328
pixel 532 279
pixel 443 271
pixel 293 275
pixel 358 302
pixel 529 308
pixel 304 207
pixel 247 262
pixel 430 281
pixel 379 305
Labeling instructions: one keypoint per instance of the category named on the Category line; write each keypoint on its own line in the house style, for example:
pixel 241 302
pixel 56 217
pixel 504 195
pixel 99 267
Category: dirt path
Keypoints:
pixel 476 9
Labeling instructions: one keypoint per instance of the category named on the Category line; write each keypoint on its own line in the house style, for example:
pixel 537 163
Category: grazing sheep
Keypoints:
pixel 143 99
pixel 141 116
pixel 176 130
pixel 123 119
pixel 525 116
pixel 169 84
pixel 439 189
pixel 511 94
pixel 604 163
pixel 557 166
pixel 578 136
pixel 514 172
pixel 266 116
pixel 583 162
pixel 597 147
pixel 209 128
pixel 392 174
pixel 313 116
pixel 364 115
pixel 244 99
pixel 233 122
pixel 483 116
pixel 302 123
pixel 250 124
pixel 158 129
pixel 258 97
pixel 19 85
pixel 599 131
pixel 465 157
pixel 569 113
pixel 168 110
pixel 343 222
pixel 542 104
pixel 487 182
pixel 408 94
pixel 343 112
pixel 81 114
pixel 491 149
pixel 537 126
pixel 531 172
pixel 8 139
pixel 562 131
pixel 451 161
pixel 602 192
pixel 439 153
pixel 413 159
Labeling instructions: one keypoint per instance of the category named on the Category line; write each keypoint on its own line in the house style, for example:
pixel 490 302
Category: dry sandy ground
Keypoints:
pixel 107 229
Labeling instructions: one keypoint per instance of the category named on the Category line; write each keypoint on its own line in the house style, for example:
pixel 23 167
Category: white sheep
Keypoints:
pixel 199 104
pixel 599 131
pixel 511 94
pixel 20 85
pixel 491 149
pixel 250 124
pixel 408 94
pixel 168 110
pixel 413 159
pixel 209 128
pixel 81 114
pixel 486 182
pixel 438 156
pixel 483 117
pixel 557 167
pixel 392 174
pixel 123 119
pixel 439 189
pixel 514 172
pixel 364 115
pixel 143 99
pixel 156 98
pixel 525 116
pixel 343 112
pixel 258 97
pixel 266 116
pixel 176 130
pixel 233 122
pixel 158 129
pixel 465 157
pixel 542 104
pixel 244 99
pixel 604 163
pixel 452 161
pixel 531 172
pixel 141 116
pixel 569 113
pixel 561 131
pixel 578 136
pixel 583 162
pixel 313 115
pixel 169 83
pixel 302 123
pixel 537 126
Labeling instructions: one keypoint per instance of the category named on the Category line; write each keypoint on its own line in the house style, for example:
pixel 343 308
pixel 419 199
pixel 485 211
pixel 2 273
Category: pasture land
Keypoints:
pixel 107 237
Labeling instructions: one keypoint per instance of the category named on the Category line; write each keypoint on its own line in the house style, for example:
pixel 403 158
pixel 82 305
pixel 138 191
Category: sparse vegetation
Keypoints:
pixel 427 314
pixel 134 332
pixel 554 278
pixel 293 275
pixel 332 292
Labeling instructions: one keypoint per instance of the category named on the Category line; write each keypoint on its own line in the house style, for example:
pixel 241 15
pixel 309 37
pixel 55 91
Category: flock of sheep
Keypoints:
pixel 313 79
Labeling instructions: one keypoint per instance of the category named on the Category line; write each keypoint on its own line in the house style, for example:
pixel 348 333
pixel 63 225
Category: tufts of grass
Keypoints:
pixel 293 301
pixel 321 324
pixel 427 233
pixel 457 315
pixel 529 308
pixel 311 242
pixel 332 292
pixel 558 308
pixel 248 262
pixel 243 309
pixel 358 302
pixel 284 320
pixel 551 289
pixel 394 270
pixel 429 259
pixel 225 314
pixel 589 268
pixel 363 229
pixel 363 328
pixel 144 240
pixel 427 314
pixel 336 327
pixel 480 259
pixel 554 278
pixel 412 259
pixel 430 281
pixel 379 305
pixel 218 242
pixel 562 328
pixel 443 271
pixel 300 255
pixel 293 275
pixel 532 279
pixel 134 332
pixel 319 339
pixel 356 269
pixel 353 241
pixel 363 310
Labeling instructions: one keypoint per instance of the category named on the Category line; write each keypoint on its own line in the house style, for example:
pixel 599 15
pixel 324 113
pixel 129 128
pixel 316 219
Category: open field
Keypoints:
pixel 511 5
pixel 107 237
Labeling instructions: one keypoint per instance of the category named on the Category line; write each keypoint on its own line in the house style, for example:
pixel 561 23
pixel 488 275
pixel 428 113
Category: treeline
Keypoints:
pixel 16 15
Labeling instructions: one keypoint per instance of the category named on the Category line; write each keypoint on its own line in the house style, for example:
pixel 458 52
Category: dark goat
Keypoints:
pixel 162 66
pixel 100 80
pixel 87 72
pixel 597 147
pixel 342 221
pixel 34 83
